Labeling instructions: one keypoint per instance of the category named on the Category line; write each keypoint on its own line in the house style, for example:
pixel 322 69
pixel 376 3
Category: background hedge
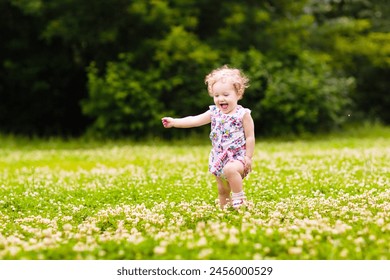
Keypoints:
pixel 69 67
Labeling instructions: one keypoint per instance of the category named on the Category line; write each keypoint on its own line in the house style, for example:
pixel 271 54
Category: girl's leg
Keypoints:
pixel 234 172
pixel 223 191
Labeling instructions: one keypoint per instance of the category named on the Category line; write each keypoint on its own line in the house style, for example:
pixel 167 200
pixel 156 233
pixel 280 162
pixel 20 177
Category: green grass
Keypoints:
pixel 318 198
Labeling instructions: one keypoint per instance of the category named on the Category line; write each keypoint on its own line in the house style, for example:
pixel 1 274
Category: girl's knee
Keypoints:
pixel 228 170
pixel 232 169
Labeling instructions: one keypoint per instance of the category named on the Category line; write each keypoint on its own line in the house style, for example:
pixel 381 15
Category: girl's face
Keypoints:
pixel 225 97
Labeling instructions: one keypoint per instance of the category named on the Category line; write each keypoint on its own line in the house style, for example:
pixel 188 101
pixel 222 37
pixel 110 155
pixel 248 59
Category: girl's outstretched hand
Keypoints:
pixel 167 122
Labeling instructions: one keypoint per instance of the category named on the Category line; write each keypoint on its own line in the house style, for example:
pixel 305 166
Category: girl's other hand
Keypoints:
pixel 167 122
pixel 248 165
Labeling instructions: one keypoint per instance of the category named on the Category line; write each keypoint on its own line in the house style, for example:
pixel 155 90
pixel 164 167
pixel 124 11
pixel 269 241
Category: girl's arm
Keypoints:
pixel 249 130
pixel 187 122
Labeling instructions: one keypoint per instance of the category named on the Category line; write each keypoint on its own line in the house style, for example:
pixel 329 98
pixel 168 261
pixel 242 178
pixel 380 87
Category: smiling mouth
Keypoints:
pixel 223 106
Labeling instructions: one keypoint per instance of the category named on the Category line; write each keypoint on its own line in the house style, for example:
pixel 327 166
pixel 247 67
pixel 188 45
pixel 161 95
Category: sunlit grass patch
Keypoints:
pixel 316 199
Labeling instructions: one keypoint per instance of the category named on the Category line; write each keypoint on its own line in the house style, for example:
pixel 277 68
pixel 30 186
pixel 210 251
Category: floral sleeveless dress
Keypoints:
pixel 227 137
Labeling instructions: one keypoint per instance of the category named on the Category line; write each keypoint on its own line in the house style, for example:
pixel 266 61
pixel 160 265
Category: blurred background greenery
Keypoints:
pixel 113 68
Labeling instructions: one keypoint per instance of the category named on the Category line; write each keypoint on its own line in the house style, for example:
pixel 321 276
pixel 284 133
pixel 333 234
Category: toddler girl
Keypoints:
pixel 232 133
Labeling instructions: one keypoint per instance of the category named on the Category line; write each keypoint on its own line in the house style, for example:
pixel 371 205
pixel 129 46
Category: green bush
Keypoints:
pixel 297 54
pixel 304 97
pixel 129 101
pixel 123 102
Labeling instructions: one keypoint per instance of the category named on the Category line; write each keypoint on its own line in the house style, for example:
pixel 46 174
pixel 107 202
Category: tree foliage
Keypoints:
pixel 116 69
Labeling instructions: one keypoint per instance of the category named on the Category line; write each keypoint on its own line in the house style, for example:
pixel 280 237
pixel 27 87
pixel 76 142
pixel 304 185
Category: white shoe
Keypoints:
pixel 238 202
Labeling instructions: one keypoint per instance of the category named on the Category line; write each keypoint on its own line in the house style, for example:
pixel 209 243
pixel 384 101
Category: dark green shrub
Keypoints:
pixel 124 101
pixel 305 97
pixel 128 101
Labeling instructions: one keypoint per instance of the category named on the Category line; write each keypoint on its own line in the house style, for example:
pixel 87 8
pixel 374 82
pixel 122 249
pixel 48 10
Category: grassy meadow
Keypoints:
pixel 322 198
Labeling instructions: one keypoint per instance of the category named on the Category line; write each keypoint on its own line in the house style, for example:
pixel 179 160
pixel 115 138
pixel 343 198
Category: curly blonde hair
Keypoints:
pixel 227 74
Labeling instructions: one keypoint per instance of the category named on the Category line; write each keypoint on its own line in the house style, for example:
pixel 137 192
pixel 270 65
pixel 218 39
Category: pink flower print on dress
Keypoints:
pixel 227 137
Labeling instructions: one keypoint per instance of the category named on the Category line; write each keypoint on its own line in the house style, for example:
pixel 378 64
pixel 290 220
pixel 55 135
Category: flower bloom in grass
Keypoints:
pixel 13 250
pixel 257 256
pixel 359 241
pixel 202 242
pixel 294 250
pixel 344 253
pixel 380 222
pixel 204 253
pixel 233 240
pixel 160 250
pixel 67 227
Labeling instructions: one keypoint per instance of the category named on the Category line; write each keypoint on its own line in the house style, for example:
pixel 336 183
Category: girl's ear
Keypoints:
pixel 238 88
